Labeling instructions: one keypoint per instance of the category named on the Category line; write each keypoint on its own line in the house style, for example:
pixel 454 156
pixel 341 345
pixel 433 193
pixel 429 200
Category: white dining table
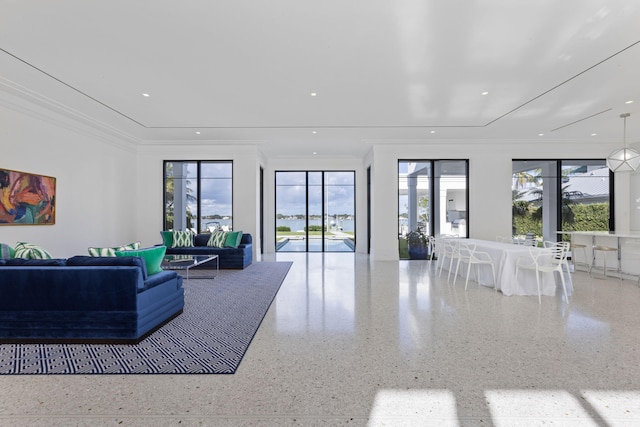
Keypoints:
pixel 504 257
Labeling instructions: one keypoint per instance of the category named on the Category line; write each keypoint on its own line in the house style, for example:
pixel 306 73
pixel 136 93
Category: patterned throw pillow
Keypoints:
pixel 31 251
pixel 182 239
pixel 6 251
pixel 217 239
pixel 112 251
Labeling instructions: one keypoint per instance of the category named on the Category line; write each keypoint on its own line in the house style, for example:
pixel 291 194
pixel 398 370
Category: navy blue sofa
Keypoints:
pixel 237 258
pixel 85 299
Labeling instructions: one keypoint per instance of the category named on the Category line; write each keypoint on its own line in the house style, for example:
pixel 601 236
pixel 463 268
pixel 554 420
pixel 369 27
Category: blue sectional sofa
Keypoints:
pixel 230 258
pixel 85 299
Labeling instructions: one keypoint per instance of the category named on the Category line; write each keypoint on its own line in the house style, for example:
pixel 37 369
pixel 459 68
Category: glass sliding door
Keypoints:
pixel 450 190
pixel 291 211
pixel 315 211
pixel 339 190
pixel 432 198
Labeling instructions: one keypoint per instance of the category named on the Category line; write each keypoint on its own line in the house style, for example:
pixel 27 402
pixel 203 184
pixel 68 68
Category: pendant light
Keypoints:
pixel 625 159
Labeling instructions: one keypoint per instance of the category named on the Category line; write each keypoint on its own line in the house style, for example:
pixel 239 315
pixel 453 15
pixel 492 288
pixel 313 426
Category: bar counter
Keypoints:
pixel 628 245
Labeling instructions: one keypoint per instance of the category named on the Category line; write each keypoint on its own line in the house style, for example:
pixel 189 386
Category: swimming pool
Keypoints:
pixel 315 245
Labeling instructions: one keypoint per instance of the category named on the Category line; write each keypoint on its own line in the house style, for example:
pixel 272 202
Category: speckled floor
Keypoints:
pixel 349 341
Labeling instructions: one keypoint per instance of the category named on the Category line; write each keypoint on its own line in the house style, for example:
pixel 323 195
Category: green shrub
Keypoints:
pixel 316 228
pixel 593 217
pixel 283 228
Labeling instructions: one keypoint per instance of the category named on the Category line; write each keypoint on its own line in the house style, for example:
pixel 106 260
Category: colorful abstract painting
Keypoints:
pixel 27 199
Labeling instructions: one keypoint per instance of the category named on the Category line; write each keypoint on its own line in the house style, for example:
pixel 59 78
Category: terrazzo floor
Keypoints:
pixel 349 341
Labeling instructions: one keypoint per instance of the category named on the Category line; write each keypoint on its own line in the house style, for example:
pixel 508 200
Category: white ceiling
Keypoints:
pixel 382 69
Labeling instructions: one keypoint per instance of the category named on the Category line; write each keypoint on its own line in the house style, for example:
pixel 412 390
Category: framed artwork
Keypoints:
pixel 26 198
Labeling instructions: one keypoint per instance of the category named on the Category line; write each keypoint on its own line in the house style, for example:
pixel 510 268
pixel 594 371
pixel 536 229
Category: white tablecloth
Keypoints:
pixel 505 256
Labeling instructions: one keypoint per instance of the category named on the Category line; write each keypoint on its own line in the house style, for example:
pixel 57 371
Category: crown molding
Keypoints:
pixel 26 101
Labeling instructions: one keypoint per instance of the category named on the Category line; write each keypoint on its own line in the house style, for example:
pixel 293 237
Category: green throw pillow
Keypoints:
pixel 31 251
pixel 6 251
pixel 182 239
pixel 167 238
pixel 152 257
pixel 112 251
pixel 233 239
pixel 217 239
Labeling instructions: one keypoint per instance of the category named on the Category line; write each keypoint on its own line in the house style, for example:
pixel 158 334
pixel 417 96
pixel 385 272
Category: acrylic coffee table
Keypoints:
pixel 187 262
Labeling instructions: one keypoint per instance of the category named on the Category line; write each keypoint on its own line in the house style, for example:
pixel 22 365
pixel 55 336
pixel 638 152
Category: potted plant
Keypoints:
pixel 418 244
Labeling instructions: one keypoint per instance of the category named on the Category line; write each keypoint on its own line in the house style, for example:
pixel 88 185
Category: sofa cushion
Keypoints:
pixel 217 239
pixel 233 239
pixel 112 251
pixel 182 239
pixel 152 257
pixel 6 251
pixel 31 251
pixel 201 239
pixel 49 262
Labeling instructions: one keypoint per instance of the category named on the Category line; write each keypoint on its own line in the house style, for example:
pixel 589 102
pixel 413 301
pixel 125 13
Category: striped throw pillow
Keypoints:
pixel 217 239
pixel 30 251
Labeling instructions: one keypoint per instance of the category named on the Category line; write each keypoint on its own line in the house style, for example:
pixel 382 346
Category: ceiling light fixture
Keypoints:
pixel 594 134
pixel 624 159
pixel 314 132
pixel 541 134
pixel 433 131
pixel 314 94
pixel 197 133
pixel 485 93
pixel 629 102
pixel 146 95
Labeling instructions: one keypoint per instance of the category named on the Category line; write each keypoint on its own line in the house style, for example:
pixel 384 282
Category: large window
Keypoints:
pixel 567 195
pixel 432 197
pixel 315 211
pixel 198 195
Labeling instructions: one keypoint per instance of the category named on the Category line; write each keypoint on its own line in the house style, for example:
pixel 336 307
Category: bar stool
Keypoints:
pixel 605 250
pixel 574 259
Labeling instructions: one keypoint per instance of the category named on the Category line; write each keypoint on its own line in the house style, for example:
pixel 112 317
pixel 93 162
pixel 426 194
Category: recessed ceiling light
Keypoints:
pixel 314 153
pixel 541 134
pixel 594 134
pixel 433 131
pixel 485 93
pixel 314 94
pixel 629 102
pixel 146 95
pixel 314 132
pixel 197 133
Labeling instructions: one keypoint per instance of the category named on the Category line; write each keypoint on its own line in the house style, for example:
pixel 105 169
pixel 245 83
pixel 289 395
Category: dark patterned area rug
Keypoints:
pixel 211 336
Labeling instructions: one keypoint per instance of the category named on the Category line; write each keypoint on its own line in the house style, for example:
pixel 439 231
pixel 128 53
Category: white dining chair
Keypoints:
pixel 446 252
pixel 544 260
pixel 467 254
pixel 562 259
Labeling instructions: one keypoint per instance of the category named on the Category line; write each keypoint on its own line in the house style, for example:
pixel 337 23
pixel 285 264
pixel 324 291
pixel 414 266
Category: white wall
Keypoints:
pixel 95 198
